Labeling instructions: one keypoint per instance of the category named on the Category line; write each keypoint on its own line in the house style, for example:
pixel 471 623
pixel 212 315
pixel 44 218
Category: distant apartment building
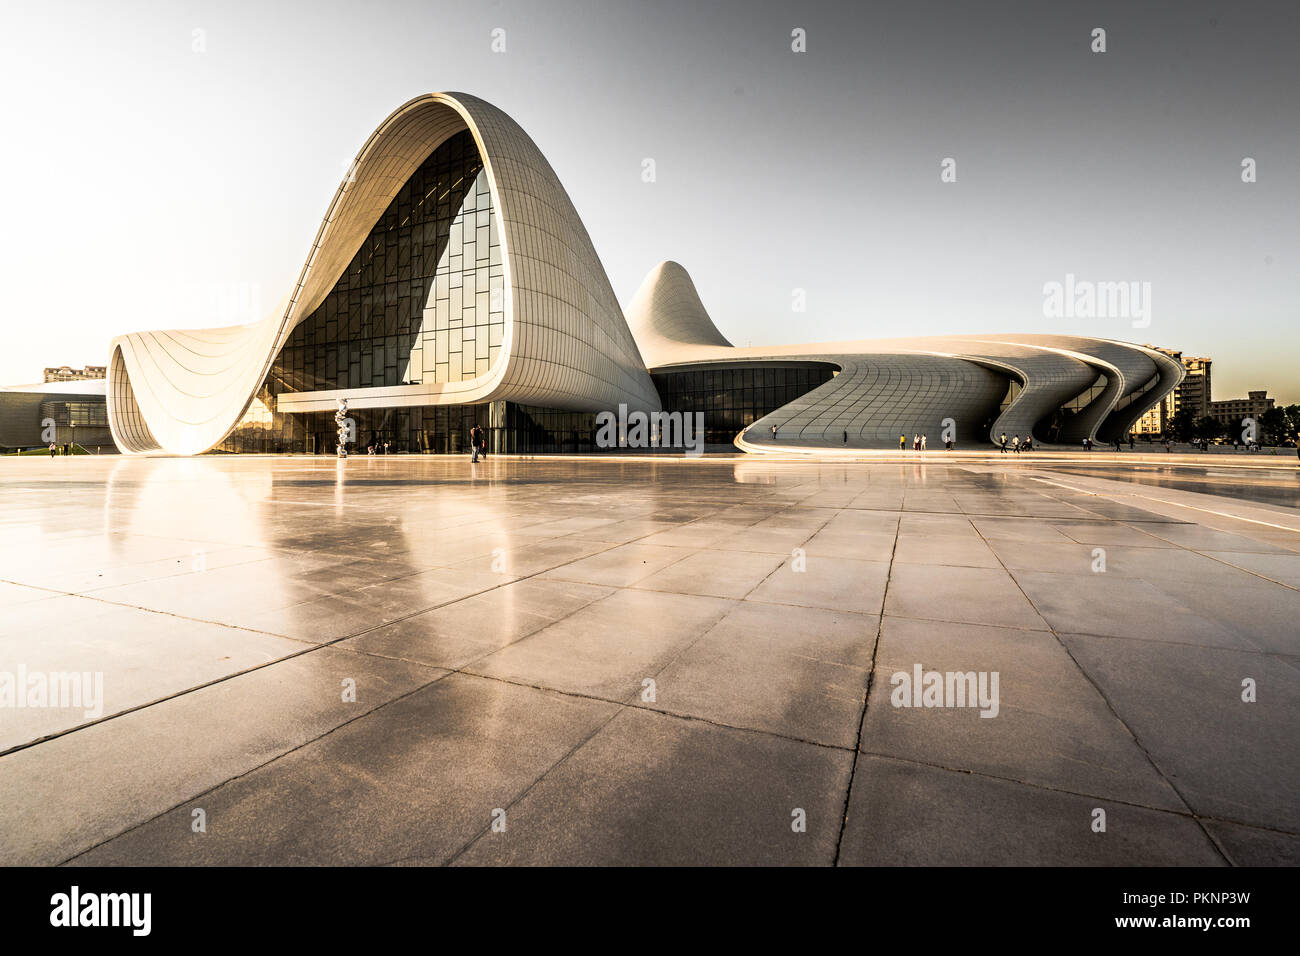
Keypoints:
pixel 1156 419
pixel 1232 411
pixel 1193 392
pixel 65 373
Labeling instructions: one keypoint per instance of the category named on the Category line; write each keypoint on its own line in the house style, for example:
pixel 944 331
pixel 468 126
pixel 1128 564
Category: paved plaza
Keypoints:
pixel 412 660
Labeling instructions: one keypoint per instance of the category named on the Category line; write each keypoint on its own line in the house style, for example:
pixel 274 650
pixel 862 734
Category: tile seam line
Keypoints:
pixel 1258 651
pixel 251 770
pixel 1182 547
pixel 984 774
pixel 314 646
pixel 482 832
pixel 624 705
pixel 91 596
pixel 1112 495
pixel 447 672
pixel 866 701
pixel 1115 713
pixel 620 706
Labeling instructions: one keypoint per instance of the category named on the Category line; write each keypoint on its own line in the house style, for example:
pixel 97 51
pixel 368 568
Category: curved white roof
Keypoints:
pixel 566 344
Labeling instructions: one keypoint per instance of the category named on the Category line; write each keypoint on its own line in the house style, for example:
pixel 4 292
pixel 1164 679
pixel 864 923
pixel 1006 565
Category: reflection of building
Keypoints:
pixel 31 416
pixel 1233 410
pixel 65 374
pixel 452 283
pixel 1193 392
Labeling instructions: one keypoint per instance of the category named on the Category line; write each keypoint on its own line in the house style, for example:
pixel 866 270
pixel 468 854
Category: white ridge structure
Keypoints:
pixel 565 343
pixel 452 283
pixel 1059 389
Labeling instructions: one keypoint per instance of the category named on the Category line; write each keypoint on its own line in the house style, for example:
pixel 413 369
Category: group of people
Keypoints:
pixel 377 448
pixel 1016 445
pixel 920 442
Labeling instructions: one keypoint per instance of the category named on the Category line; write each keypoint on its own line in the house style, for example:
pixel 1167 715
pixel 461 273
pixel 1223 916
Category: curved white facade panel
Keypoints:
pixel 666 313
pixel 981 387
pixel 566 344
pixel 531 320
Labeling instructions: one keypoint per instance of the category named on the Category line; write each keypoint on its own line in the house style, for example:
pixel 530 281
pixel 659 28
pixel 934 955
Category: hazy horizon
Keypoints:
pixel 160 177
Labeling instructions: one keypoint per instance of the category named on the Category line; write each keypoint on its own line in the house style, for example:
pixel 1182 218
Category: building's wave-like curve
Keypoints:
pixel 566 344
pixel 985 385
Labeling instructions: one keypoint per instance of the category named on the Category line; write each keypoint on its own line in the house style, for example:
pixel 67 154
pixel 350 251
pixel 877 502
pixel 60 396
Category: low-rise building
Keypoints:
pixel 1233 410
pixel 32 416
pixel 65 373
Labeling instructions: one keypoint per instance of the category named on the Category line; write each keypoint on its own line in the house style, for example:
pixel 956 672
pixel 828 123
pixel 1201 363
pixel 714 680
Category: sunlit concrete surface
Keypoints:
pixel 622 662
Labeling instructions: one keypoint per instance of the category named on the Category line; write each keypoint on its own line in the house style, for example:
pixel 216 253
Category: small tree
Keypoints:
pixel 1292 413
pixel 1273 427
pixel 1182 427
pixel 1209 428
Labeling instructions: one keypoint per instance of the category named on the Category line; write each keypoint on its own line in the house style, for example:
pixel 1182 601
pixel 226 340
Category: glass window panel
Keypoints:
pixel 391 315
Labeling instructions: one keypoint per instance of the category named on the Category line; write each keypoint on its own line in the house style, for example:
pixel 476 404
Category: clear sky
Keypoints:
pixel 159 177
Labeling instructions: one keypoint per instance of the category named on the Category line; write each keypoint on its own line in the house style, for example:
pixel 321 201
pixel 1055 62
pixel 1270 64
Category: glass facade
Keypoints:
pixel 79 412
pixel 83 419
pixel 1051 427
pixel 425 429
pixel 1132 397
pixel 423 300
pixel 734 397
pixel 1014 388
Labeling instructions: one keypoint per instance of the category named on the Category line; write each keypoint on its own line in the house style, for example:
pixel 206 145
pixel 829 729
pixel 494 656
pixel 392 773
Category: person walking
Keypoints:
pixel 923 440
pixel 773 433
pixel 902 443
pixel 475 436
pixel 1015 444
pixel 1004 443
pixel 846 436
pixel 1130 441
pixel 51 449
pixel 948 444
pixel 916 441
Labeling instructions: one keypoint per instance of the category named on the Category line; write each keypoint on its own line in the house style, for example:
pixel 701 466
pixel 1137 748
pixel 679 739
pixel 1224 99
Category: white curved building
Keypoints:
pixel 451 269
pixel 1059 389
pixel 452 283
